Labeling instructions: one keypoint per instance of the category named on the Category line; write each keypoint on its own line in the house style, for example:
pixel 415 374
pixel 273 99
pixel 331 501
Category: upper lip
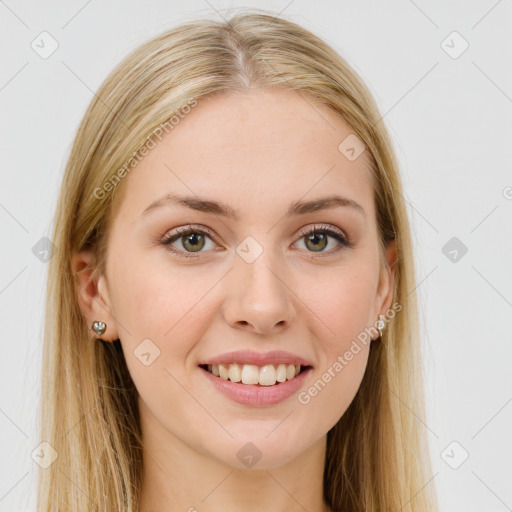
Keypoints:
pixel 257 358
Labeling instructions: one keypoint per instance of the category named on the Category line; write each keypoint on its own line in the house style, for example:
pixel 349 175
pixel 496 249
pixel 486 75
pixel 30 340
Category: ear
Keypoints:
pixel 92 294
pixel 386 280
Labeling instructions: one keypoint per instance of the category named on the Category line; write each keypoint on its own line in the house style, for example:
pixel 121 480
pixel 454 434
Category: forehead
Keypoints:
pixel 251 150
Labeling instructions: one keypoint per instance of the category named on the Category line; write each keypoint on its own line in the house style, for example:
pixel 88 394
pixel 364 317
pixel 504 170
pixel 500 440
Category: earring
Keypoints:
pixel 381 324
pixel 98 328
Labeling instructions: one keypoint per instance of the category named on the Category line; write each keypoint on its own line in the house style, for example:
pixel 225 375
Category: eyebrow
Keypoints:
pixel 221 209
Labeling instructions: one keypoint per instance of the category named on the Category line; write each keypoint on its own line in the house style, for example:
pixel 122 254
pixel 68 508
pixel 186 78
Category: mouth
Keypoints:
pixel 254 375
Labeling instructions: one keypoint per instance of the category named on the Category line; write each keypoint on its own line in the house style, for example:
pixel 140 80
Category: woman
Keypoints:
pixel 231 321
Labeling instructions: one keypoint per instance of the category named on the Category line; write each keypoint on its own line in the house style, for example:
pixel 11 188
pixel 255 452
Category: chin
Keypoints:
pixel 260 451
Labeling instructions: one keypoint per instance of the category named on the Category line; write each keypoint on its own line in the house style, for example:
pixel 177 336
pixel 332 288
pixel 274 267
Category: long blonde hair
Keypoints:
pixel 377 454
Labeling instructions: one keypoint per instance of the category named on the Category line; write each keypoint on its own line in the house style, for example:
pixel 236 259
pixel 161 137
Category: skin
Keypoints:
pixel 257 152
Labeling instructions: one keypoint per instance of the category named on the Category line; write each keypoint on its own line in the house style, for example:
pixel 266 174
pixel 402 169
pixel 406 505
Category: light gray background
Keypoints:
pixel 451 122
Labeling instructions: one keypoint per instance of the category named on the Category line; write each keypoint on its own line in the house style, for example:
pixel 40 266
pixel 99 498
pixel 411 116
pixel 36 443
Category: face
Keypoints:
pixel 258 278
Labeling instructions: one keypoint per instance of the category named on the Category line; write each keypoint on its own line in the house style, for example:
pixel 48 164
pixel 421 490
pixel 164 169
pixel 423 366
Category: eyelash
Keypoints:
pixel 182 232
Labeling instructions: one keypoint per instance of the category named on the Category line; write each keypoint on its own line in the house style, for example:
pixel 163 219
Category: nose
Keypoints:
pixel 257 297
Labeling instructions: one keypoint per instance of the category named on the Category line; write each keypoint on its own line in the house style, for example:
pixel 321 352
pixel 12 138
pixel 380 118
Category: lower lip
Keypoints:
pixel 254 394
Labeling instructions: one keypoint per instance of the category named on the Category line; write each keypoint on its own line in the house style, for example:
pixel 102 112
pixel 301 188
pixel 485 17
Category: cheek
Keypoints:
pixel 343 304
pixel 342 347
pixel 162 312
pixel 169 306
pixel 172 311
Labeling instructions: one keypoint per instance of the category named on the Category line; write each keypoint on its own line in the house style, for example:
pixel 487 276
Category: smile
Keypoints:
pixel 250 374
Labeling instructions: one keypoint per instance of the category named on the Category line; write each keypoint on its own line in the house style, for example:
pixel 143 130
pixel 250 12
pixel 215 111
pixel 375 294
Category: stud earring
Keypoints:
pixel 98 328
pixel 381 324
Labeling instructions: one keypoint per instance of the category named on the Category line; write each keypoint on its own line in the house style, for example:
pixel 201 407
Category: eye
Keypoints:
pixel 317 238
pixel 194 240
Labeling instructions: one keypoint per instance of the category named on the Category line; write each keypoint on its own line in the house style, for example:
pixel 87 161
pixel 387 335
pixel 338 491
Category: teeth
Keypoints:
pixel 281 373
pixel 250 374
pixel 266 375
pixel 235 373
pixel 223 371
